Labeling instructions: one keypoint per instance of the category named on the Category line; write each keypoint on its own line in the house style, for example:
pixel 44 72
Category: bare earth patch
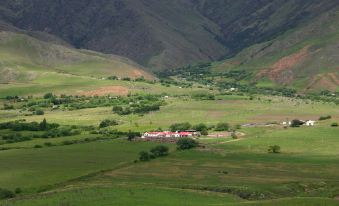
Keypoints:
pixel 281 71
pixel 116 90
pixel 322 81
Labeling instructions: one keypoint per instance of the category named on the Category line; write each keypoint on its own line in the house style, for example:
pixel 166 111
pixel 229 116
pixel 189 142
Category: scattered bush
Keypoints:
pixel 186 143
pixel 108 123
pixel 48 144
pixel 144 156
pixel 204 132
pixel 37 146
pixel 6 194
pixel 222 127
pixel 159 151
pixel 48 96
pixel 334 124
pixel 274 149
pixel 325 117
pixel 18 190
pixel 39 112
pixel 8 107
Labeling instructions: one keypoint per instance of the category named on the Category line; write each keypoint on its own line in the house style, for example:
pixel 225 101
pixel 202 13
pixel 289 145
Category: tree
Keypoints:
pixel 222 126
pixel 43 125
pixel 200 127
pixel 274 149
pixel 186 143
pixel 296 123
pixel 144 156
pixel 132 135
pixel 204 132
pixel 159 151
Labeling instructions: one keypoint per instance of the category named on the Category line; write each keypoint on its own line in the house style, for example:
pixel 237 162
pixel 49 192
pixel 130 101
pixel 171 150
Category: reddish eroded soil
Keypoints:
pixel 281 71
pixel 116 90
pixel 329 81
pixel 137 74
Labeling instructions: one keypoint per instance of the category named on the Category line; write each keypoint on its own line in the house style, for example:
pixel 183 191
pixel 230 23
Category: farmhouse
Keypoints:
pixel 168 134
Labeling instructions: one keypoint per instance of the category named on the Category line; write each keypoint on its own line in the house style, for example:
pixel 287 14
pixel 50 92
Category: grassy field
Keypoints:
pixel 223 172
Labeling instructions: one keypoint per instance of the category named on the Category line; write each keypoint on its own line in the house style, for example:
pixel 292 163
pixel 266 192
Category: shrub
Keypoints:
pixel 107 123
pixel 48 96
pixel 334 124
pixel 37 146
pixel 144 156
pixel 68 142
pixel 274 149
pixel 159 151
pixel 204 132
pixel 222 127
pixel 18 190
pixel 39 112
pixel 6 194
pixel 186 143
pixel 8 107
pixel 325 117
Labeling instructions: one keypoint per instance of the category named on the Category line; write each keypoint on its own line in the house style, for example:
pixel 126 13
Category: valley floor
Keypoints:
pixel 102 171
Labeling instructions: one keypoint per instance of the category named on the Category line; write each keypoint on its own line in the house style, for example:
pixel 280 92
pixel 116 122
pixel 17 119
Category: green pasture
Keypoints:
pixel 32 169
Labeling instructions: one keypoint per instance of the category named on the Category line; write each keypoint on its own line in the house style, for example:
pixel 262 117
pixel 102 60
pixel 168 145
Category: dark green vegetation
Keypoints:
pixel 186 143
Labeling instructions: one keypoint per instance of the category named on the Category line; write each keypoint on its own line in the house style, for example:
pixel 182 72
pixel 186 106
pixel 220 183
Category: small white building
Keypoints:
pixel 310 123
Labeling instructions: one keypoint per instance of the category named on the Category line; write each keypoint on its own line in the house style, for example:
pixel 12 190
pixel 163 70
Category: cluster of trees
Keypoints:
pixel 22 125
pixel 108 123
pixel 158 151
pixel 203 128
pixel 69 102
pixel 141 108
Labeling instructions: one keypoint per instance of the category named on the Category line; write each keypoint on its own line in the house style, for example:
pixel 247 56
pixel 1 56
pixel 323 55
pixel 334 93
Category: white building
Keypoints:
pixel 310 123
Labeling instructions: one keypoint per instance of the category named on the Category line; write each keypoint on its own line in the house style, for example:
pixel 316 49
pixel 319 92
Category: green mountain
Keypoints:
pixel 24 58
pixel 163 34
pixel 289 43
pixel 305 57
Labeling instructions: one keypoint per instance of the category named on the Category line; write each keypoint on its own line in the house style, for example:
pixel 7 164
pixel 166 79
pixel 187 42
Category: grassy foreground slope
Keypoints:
pixel 305 58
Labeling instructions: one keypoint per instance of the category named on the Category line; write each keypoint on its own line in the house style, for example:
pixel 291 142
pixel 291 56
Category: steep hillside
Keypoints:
pixel 306 57
pixel 160 33
pixel 24 59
